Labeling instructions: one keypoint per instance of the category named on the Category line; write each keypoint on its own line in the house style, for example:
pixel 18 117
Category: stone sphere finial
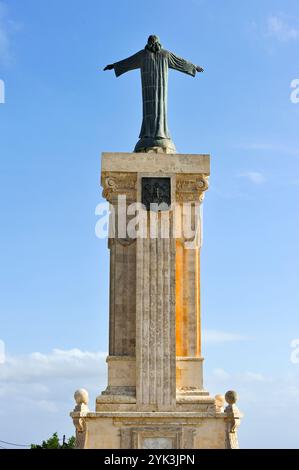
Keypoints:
pixel 81 396
pixel 231 397
pixel 219 401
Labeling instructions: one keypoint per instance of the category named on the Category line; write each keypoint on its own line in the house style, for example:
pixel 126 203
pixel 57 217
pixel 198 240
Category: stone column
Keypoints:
pixel 155 322
pixel 154 328
pixel 190 190
pixel 120 191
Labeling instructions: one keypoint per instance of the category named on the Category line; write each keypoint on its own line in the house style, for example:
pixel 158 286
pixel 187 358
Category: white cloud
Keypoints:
pixel 48 406
pixel 221 374
pixel 58 364
pixel 254 377
pixel 283 28
pixel 38 388
pixel 215 336
pixel 243 377
pixel 266 401
pixel 253 176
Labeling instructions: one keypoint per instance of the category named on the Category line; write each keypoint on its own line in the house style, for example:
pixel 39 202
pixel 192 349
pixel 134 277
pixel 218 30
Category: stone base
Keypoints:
pixel 189 374
pixel 146 430
pixel 198 421
pixel 121 389
pixel 186 400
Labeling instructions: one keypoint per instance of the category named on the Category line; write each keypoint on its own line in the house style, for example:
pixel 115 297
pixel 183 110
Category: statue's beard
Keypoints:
pixel 155 47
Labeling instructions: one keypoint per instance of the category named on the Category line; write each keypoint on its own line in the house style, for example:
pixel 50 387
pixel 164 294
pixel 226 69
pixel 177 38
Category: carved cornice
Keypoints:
pixel 191 188
pixel 119 184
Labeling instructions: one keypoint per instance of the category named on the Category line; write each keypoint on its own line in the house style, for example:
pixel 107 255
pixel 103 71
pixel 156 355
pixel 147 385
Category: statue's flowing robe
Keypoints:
pixel 154 75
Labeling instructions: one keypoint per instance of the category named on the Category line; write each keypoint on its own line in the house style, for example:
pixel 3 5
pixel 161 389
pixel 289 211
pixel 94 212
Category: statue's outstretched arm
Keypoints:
pixel 181 65
pixel 109 67
pixel 123 66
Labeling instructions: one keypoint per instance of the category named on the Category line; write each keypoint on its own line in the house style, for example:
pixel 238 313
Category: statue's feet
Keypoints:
pixel 152 145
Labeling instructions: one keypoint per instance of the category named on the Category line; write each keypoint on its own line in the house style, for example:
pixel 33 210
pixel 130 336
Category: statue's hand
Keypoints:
pixel 109 67
pixel 199 69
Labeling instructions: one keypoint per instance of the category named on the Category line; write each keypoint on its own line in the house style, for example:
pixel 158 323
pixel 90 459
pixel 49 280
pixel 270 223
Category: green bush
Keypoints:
pixel 53 443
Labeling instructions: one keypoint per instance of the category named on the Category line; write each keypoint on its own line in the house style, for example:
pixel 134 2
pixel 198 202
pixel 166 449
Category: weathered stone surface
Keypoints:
pixel 154 284
pixel 155 323
pixel 128 430
pixel 157 163
pixel 155 395
pixel 189 376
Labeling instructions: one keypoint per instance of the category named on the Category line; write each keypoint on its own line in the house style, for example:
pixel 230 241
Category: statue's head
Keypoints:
pixel 153 44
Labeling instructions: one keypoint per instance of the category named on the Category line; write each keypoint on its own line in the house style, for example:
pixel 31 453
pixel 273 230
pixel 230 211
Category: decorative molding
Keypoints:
pixel 120 358
pixel 81 434
pixel 81 398
pixel 126 391
pixel 133 437
pixel 191 188
pixel 233 421
pixel 119 184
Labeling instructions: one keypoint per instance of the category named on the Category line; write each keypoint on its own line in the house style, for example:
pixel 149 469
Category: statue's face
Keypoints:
pixel 153 44
pixel 153 40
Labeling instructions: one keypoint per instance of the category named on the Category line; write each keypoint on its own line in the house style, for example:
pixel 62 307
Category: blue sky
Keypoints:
pixel 62 111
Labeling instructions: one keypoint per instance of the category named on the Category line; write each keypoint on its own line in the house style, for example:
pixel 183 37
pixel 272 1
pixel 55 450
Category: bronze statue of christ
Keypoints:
pixel 154 62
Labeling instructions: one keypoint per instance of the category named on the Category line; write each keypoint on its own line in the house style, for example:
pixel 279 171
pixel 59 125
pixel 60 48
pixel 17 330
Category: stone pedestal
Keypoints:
pixel 155 396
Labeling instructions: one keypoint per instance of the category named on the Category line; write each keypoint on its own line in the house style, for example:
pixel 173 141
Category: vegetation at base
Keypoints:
pixel 54 443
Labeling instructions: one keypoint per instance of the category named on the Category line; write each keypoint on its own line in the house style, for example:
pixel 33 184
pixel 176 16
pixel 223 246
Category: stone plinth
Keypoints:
pixel 160 430
pixel 155 394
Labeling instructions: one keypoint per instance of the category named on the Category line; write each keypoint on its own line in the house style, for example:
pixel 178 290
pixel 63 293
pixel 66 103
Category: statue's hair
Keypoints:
pixel 153 44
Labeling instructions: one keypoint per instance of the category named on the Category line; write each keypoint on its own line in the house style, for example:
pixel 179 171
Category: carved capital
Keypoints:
pixel 191 188
pixel 119 184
